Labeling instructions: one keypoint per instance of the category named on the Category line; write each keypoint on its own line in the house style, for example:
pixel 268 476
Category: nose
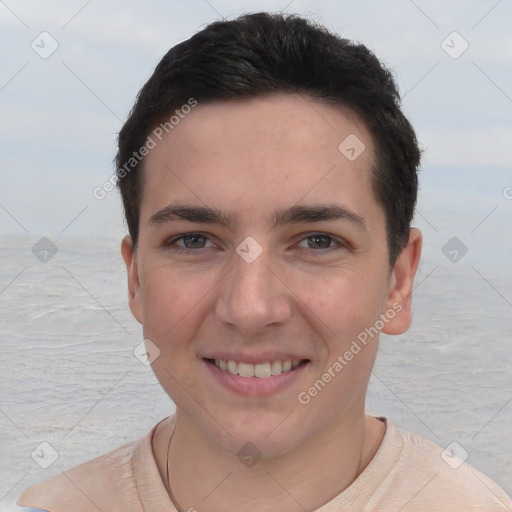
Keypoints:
pixel 252 297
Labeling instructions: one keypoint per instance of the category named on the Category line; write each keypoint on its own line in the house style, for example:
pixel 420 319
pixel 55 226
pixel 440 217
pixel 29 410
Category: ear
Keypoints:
pixel 134 292
pixel 399 299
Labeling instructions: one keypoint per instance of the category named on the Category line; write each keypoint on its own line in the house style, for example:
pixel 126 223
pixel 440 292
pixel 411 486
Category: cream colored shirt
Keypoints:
pixel 407 474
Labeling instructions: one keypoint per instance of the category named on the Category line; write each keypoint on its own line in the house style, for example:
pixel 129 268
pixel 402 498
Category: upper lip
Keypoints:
pixel 260 357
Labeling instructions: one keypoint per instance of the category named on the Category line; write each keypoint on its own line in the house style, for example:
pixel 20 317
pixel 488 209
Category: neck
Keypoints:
pixel 204 477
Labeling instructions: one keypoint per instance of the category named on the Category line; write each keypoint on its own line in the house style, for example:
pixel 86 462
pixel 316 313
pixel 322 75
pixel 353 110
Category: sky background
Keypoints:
pixel 60 115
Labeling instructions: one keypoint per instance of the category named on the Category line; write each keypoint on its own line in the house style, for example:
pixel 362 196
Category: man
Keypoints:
pixel 269 180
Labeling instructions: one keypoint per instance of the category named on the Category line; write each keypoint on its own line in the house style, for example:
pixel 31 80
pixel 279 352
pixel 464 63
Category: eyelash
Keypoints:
pixel 170 243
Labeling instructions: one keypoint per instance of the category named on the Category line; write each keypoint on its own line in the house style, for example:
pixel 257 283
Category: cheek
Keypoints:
pixel 168 300
pixel 171 305
pixel 345 303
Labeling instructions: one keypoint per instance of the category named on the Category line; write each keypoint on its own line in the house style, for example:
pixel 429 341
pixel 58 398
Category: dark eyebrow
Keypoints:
pixel 316 213
pixel 293 215
pixel 199 214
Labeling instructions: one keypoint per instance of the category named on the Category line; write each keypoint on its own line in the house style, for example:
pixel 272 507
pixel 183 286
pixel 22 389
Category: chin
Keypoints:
pixel 266 434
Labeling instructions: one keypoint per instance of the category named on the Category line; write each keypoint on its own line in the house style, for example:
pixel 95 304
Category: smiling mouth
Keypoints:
pixel 260 370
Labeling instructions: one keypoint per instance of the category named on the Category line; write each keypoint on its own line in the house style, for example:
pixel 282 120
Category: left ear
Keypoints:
pixel 134 290
pixel 401 282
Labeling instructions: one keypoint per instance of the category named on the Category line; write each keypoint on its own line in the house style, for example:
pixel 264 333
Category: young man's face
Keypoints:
pixel 317 284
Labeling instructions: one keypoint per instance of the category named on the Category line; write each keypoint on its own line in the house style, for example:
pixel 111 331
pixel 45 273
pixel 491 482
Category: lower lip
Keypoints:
pixel 255 386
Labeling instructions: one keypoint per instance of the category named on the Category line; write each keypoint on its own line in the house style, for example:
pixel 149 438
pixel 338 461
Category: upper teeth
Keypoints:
pixel 261 370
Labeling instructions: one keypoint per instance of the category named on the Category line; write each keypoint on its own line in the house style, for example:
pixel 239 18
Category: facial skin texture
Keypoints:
pixel 249 158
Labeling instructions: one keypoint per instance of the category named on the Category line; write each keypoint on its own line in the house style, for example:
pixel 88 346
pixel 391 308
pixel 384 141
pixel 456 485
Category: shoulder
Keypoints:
pixel 90 485
pixel 430 474
pixel 17 508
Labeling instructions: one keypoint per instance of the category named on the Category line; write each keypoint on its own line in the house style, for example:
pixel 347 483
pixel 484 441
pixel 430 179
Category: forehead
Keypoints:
pixel 279 150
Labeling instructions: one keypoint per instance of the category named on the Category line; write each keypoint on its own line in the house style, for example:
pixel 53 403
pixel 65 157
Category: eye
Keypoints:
pixel 189 242
pixel 193 242
pixel 319 241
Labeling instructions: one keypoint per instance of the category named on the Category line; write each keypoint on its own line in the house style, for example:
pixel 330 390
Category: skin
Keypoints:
pixel 249 158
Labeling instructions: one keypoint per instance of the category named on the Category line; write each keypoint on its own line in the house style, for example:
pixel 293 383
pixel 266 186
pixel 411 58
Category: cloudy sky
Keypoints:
pixel 70 71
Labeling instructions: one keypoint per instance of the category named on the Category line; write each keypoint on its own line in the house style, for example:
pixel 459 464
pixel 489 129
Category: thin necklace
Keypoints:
pixel 178 508
pixel 171 495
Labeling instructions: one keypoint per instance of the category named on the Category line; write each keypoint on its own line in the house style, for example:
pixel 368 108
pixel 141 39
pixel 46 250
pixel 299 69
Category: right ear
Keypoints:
pixel 134 292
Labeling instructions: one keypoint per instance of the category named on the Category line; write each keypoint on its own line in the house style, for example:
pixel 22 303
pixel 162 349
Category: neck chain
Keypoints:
pixel 168 482
pixel 178 508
